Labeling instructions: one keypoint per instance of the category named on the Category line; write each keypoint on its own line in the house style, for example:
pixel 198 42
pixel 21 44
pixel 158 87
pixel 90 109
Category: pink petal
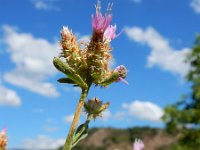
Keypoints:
pixel 123 80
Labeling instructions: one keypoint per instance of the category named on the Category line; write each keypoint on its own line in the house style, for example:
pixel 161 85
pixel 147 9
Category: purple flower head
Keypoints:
pixel 138 144
pixel 122 73
pixel 110 33
pixel 101 22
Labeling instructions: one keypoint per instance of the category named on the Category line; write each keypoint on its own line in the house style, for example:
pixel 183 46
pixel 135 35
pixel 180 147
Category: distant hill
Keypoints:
pixel 122 139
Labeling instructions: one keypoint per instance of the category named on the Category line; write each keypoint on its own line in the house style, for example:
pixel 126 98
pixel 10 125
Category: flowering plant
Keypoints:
pixel 86 66
pixel 138 144
pixel 3 140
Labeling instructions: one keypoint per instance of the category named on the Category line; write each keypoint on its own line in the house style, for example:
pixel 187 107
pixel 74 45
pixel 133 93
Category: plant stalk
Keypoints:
pixel 75 121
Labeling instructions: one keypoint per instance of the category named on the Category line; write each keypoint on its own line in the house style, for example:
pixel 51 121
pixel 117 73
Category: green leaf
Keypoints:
pixel 66 80
pixel 67 70
pixel 110 79
pixel 83 136
pixel 81 133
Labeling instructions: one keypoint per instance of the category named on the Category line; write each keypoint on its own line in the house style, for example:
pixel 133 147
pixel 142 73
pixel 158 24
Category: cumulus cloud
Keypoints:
pixel 42 142
pixel 9 97
pixel 120 115
pixel 144 110
pixel 50 129
pixel 162 54
pixel 45 5
pixel 85 38
pixel 195 4
pixel 76 89
pixel 33 60
pixel 69 119
pixel 106 115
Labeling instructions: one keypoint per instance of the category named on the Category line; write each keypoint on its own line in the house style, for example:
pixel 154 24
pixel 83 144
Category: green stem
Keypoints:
pixel 75 121
pixel 89 117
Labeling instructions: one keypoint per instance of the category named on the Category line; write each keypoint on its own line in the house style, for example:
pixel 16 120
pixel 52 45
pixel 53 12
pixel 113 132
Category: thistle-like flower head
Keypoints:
pixel 90 65
pixel 122 73
pixel 67 38
pixel 95 107
pixel 138 144
pixel 65 32
pixel 101 22
pixel 71 50
pixel 110 33
pixel 3 139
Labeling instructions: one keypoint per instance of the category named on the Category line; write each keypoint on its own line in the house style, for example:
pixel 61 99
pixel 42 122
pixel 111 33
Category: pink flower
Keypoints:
pixel 110 33
pixel 122 73
pixel 122 80
pixel 99 21
pixel 138 144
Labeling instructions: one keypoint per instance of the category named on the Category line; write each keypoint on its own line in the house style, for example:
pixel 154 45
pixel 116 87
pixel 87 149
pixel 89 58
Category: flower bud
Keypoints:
pixel 95 107
pixel 71 50
pixel 122 73
pixel 66 38
pixel 65 33
pixel 121 70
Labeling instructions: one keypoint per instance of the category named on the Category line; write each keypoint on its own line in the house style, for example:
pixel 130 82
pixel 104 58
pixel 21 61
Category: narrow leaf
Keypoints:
pixel 83 136
pixel 64 67
pixel 66 80
pixel 110 79
pixel 80 130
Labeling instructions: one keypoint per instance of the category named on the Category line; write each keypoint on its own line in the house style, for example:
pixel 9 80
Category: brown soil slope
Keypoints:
pixel 122 139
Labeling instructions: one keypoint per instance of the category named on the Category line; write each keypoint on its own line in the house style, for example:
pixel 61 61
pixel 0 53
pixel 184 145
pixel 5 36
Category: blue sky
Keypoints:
pixel 157 35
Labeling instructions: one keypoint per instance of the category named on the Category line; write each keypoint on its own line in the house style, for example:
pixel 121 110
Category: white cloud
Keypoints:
pixel 77 89
pixel 42 142
pixel 33 59
pixel 195 4
pixel 106 115
pixel 162 54
pixel 119 115
pixel 85 38
pixel 144 110
pixel 69 119
pixel 45 5
pixel 9 97
pixel 50 129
